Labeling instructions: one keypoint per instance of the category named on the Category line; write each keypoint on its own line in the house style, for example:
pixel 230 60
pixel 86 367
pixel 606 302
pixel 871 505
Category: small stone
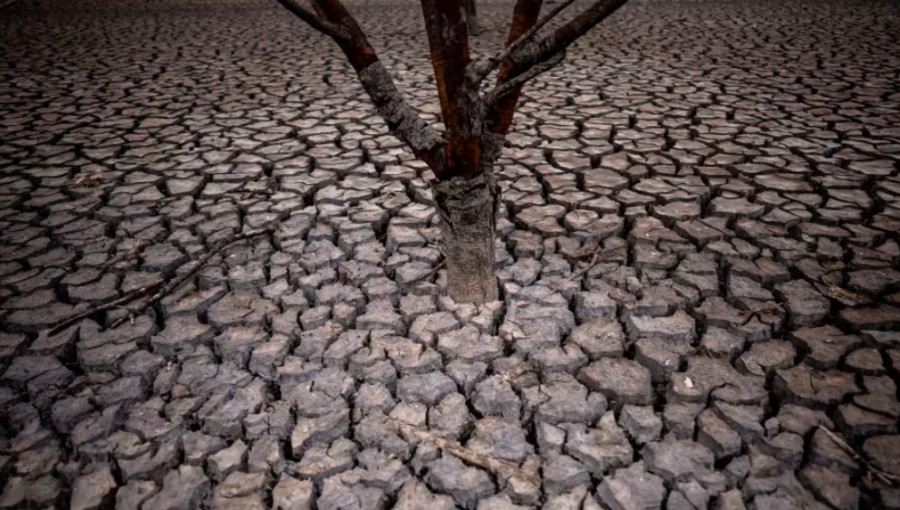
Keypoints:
pixel 494 396
pixel 427 388
pixel 764 357
pixel 500 439
pixel 133 494
pixel 677 327
pixel 321 429
pixel 865 361
pixel 804 385
pixel 680 418
pixel 238 485
pixel 885 451
pixel 716 435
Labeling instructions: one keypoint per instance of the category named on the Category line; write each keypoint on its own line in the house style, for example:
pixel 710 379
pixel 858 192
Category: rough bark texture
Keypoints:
pixel 402 119
pixel 499 118
pixel 476 125
pixel 467 208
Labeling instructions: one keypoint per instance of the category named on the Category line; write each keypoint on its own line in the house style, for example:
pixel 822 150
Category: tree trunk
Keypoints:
pixel 472 17
pixel 467 209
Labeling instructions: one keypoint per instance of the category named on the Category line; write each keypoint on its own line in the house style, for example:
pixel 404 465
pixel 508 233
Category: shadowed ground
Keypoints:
pixel 698 255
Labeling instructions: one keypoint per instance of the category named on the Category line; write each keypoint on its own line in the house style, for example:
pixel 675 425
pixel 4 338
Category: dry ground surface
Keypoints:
pixel 698 253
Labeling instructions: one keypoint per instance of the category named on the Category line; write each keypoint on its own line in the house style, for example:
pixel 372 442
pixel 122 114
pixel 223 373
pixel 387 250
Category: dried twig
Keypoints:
pixel 588 267
pixel 435 269
pixel 88 180
pixel 125 255
pixel 500 468
pixel 127 298
pixel 595 259
pixel 874 471
pixel 162 292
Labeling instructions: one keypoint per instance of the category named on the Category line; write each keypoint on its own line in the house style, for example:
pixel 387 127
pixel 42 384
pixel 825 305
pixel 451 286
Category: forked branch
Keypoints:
pixel 483 68
pixel 499 116
pixel 517 66
pixel 531 53
pixel 516 82
pixel 334 20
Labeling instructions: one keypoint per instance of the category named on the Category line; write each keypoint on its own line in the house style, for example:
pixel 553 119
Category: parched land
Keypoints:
pixel 698 256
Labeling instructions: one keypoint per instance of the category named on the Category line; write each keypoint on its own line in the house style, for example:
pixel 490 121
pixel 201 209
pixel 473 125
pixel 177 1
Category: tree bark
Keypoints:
pixel 475 126
pixel 467 210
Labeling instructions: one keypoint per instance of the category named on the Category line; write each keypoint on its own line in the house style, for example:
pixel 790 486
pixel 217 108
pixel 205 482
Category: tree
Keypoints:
pixel 476 122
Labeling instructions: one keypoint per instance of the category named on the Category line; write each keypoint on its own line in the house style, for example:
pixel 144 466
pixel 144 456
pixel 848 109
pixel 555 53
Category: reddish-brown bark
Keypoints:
pixel 499 118
pixel 465 194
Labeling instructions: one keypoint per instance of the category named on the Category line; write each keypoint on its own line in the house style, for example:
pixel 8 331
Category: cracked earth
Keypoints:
pixel 697 250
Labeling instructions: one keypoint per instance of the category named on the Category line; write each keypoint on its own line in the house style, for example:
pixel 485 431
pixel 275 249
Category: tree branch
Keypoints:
pixel 402 119
pixel 516 82
pixel 483 69
pixel 448 39
pixel 461 108
pixel 535 52
pixel 313 20
pixel 499 116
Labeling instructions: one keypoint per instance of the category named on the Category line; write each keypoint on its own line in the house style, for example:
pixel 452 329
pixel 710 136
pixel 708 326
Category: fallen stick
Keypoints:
pixel 166 289
pixel 595 259
pixel 870 466
pixel 436 268
pixel 125 255
pixel 501 468
pixel 127 298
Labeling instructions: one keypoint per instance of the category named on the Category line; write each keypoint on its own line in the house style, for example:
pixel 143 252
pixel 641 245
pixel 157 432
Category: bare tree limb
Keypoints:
pixel 515 83
pixel 499 116
pixel 402 119
pixel 313 20
pixel 448 38
pixel 535 52
pixel 483 69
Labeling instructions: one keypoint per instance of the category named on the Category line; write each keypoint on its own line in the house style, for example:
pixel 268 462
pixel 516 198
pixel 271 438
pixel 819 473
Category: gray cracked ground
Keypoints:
pixel 736 162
